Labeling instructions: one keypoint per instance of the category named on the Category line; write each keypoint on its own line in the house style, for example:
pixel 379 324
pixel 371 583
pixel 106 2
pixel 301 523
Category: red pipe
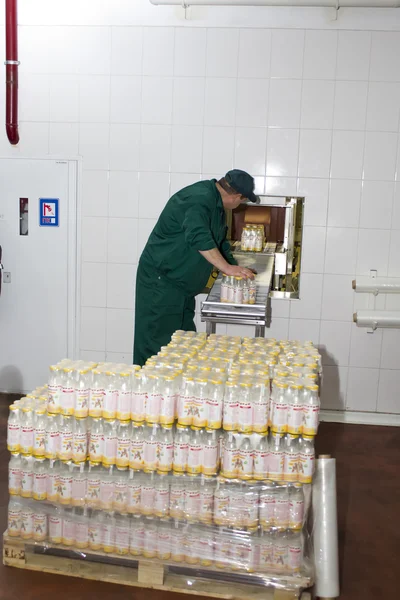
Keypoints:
pixel 11 72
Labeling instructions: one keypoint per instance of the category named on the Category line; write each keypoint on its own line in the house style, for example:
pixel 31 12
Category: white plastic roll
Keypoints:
pixel 377 285
pixel 325 530
pixel 374 319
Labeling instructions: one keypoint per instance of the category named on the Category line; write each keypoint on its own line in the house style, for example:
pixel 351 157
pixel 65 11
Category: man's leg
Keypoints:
pixel 188 315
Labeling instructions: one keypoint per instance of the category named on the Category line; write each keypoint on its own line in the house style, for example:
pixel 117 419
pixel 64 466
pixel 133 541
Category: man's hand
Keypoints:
pixel 237 271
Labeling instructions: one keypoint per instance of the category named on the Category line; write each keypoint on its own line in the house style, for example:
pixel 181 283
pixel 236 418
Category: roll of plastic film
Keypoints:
pixel 325 530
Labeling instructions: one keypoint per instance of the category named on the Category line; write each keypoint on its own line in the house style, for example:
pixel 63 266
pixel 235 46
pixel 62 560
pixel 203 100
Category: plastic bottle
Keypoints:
pixel 14 518
pixel 266 552
pixel 39 479
pixel 231 405
pixel 224 288
pixel 311 409
pixel 53 481
pixel 276 457
pixel 52 437
pixel 26 522
pixel 148 492
pixel 281 518
pixel 95 530
pixel 177 536
pixel 134 493
pixel 210 452
pixel 153 403
pixel 200 402
pixel 106 488
pixel 230 458
pixel 96 440
pixel 124 402
pixel 139 397
pixel 260 406
pixel 66 438
pixel 13 429
pixel 79 484
pixel 261 459
pixel 96 394
pixel 54 389
pixel 82 389
pixel 110 399
pixel 26 435
pixel 245 460
pixel 296 507
pixel 39 524
pixel 215 404
pixel 192 499
pixel 295 409
pixel 136 536
pixel 161 496
pixel 251 499
pixel 150 538
pixel 291 462
pixel 177 497
pixel 168 399
pixel 65 484
pixel 280 560
pixel 55 525
pixel 110 442
pixel 195 452
pixel 295 552
pixel 267 506
pixel 67 397
pixel 185 401
pixel 14 475
pixel 122 534
pixel 279 408
pixel 120 498
pixel 165 449
pixel 93 485
pixel 180 454
pixel 26 476
pixel 246 291
pixel 306 459
pixel 124 433
pixel 221 503
pixel 108 532
pixel 81 528
pixel 150 448
pixel 136 453
pixel 245 408
pixel 238 291
pixel 80 440
pixel 206 501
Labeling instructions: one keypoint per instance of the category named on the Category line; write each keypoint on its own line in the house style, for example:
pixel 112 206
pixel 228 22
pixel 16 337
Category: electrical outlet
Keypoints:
pixel 6 277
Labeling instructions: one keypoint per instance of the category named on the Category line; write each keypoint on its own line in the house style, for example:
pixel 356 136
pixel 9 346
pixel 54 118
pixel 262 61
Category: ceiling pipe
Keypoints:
pixel 293 3
pixel 11 63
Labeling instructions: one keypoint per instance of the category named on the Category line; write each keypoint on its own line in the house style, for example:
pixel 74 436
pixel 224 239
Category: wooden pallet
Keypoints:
pixel 149 573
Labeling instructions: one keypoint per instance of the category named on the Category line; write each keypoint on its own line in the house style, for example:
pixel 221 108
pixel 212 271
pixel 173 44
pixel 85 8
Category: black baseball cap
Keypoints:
pixel 243 183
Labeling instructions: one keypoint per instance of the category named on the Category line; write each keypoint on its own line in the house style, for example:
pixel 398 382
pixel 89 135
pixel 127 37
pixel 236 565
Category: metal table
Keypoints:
pixel 214 311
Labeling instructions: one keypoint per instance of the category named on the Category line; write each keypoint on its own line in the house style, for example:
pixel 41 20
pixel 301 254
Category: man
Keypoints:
pixel 188 240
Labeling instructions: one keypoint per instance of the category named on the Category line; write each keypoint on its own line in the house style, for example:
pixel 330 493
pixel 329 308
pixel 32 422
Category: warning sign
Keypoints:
pixel 48 214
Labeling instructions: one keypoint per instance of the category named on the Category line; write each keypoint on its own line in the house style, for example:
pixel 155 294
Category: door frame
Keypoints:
pixel 74 236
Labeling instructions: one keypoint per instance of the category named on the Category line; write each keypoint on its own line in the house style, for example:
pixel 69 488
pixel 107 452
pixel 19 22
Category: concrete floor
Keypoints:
pixel 368 460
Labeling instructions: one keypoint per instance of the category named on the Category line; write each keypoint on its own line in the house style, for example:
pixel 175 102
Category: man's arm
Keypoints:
pixel 215 257
pixel 226 252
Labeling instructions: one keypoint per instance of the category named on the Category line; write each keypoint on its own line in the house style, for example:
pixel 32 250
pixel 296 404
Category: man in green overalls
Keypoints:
pixel 188 240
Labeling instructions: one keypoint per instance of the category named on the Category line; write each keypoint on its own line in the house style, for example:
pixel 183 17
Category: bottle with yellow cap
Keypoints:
pixel 295 408
pixel 245 408
pixel 168 399
pixel 80 437
pixel 54 389
pixel 181 441
pixel 139 396
pixel 124 399
pixel 82 387
pixel 96 394
pixel 200 402
pixel 231 405
pixel 279 407
pixel 311 409
pixel 238 291
pixel 292 457
pixel 67 397
pixel 195 452
pixel 306 459
pixel 13 429
pixel 185 401
pixel 110 395
pixel 26 435
pixel 276 457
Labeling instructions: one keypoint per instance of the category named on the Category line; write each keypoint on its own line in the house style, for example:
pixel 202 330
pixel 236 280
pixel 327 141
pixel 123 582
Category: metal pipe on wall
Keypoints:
pixel 292 3
pixel 387 319
pixel 376 285
pixel 12 63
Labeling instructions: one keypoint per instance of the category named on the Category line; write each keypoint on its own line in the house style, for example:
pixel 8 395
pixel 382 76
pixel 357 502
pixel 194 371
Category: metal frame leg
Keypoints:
pixel 260 331
pixel 210 327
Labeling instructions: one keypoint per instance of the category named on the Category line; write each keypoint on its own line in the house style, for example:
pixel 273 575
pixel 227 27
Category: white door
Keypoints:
pixel 38 290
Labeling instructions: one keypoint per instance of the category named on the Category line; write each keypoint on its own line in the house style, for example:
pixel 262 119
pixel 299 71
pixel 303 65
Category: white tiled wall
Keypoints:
pixel 153 102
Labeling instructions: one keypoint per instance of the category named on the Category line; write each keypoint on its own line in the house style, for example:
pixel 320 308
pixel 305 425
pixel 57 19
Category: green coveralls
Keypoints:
pixel 171 270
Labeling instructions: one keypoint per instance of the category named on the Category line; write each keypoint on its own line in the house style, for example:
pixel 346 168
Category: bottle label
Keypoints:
pixel 306 467
pixel 52 444
pixel 39 526
pixel 206 506
pixel 40 486
pixel 244 464
pixel 26 441
pixel 55 529
pixel 276 465
pixel 120 495
pixel 147 500
pixel 96 403
pixel 230 415
pixel 96 447
pixel 291 467
pixel 165 452
pixel 210 459
pixel 295 419
pixel 180 457
pixel 280 557
pixel 260 417
pixel 93 490
pixel 185 410
pixel 261 464
pixel 266 555
pixel 82 534
pixel 26 524
pixel 79 452
pixel 296 513
pixel 122 539
pixel 66 445
pixel 14 522
pixel 78 491
pixel 134 494
pixel 221 504
pixel 245 417
pixel 150 455
pixel 124 406
pixel 229 465
pixel 161 502
pixel 214 414
pixel 110 404
pixel 138 406
pixel 82 403
pixel 26 483
pixel 231 293
pixel 267 511
pixel 167 409
pixel 110 450
pixel 195 458
pixel 153 406
pixel 311 419
pixel 53 399
pixel 68 532
pixel 123 447
pixel 14 481
pixel 106 494
pixel 13 435
pixel 95 531
pixel 136 459
pixel 67 401
pixel 53 483
pixel 294 557
pixel 199 412
pixel 279 417
pixel 282 512
pixel 65 488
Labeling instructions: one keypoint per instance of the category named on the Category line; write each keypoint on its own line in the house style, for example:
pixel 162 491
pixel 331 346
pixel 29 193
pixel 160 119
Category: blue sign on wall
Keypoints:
pixel 48 212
